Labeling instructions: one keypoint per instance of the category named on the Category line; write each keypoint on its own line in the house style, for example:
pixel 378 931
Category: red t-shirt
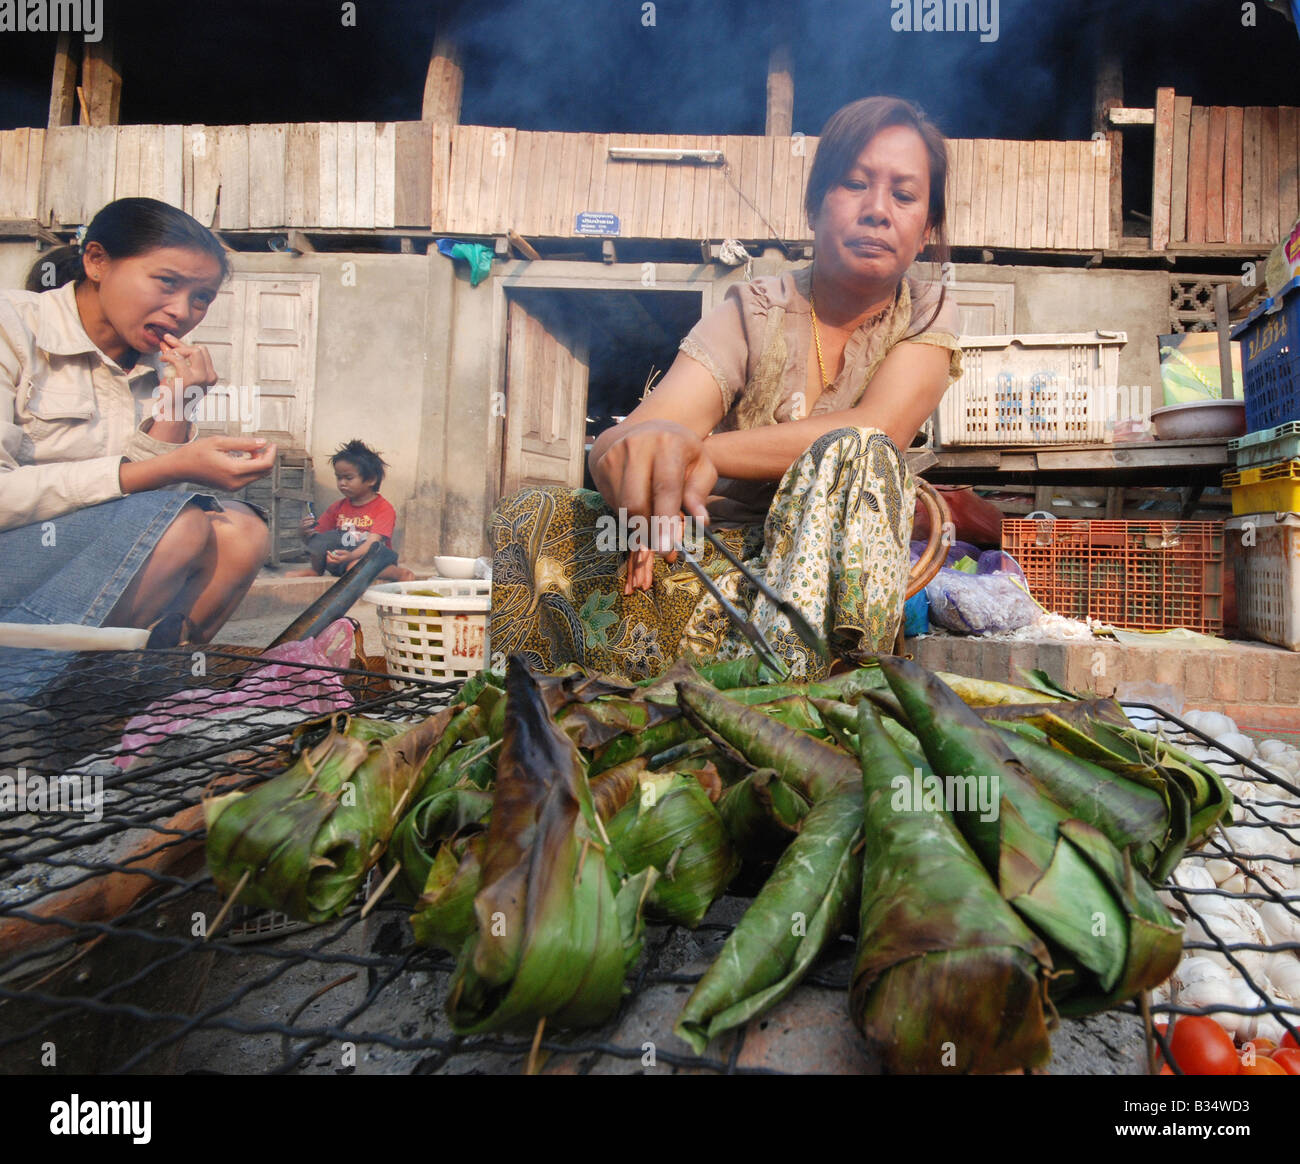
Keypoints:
pixel 375 516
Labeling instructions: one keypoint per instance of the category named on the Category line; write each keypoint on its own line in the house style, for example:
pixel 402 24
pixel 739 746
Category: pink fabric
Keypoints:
pixel 270 685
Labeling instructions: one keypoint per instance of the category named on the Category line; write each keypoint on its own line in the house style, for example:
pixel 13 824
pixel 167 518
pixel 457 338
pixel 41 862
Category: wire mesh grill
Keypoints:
pixel 104 962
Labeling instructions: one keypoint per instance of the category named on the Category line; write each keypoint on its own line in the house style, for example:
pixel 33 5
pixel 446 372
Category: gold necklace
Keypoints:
pixel 817 338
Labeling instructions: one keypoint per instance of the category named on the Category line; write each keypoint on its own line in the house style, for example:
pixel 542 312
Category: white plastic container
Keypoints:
pixel 1058 388
pixel 1267 574
pixel 434 629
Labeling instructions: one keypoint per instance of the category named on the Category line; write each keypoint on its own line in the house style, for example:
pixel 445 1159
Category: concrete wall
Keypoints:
pixel 16 259
pixel 1052 299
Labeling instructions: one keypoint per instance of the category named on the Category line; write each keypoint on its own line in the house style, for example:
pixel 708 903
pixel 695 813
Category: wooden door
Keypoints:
pixel 547 350
pixel 262 335
pixel 280 356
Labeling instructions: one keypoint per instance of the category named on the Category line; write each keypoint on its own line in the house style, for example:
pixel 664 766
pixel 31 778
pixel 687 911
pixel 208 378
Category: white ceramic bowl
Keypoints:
pixel 1200 420
pixel 454 567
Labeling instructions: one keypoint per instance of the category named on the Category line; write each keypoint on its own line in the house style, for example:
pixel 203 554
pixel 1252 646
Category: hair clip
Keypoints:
pixel 79 239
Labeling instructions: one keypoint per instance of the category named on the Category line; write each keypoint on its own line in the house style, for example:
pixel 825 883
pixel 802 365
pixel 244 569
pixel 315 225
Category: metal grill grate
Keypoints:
pixel 125 982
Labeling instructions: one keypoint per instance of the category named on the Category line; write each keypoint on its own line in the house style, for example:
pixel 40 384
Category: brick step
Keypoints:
pixel 1252 676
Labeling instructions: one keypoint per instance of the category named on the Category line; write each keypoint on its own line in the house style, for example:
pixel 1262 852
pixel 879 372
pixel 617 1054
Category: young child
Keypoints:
pixel 345 530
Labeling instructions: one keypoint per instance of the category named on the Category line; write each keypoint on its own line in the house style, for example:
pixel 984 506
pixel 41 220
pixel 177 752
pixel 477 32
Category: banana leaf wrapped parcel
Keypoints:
pixel 557 921
pixel 303 841
pixel 947 976
pixel 1109 937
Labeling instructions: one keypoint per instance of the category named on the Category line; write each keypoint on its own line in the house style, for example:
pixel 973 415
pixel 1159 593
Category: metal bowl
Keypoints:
pixel 1200 420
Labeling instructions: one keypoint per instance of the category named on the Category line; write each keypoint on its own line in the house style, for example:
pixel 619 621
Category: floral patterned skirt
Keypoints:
pixel 835 543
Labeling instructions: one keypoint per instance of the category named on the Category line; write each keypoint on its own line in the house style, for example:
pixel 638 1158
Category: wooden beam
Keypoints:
pixel 300 242
pixel 63 87
pixel 522 245
pixel 444 83
pixel 1121 116
pixel 780 91
pixel 102 80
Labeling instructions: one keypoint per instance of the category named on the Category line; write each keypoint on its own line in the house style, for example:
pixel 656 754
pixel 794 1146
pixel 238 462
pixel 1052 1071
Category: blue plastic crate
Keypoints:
pixel 1270 359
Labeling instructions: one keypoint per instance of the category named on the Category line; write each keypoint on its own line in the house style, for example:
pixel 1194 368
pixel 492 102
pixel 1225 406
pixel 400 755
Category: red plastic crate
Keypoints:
pixel 1143 575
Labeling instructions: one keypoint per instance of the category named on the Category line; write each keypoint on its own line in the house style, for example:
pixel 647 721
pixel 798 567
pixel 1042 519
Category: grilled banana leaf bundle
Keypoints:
pixel 991 848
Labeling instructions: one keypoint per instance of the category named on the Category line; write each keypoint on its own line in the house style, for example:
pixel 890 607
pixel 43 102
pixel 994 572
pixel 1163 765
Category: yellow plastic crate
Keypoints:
pixel 1265 488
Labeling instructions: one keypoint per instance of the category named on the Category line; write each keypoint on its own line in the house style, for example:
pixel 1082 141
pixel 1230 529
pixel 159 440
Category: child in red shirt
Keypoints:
pixel 345 530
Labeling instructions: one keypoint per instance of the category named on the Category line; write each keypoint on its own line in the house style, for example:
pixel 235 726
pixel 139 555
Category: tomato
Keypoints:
pixel 1288 1058
pixel 1201 1047
pixel 1263 1066
pixel 1264 1046
pixel 1166 1070
pixel 1288 1040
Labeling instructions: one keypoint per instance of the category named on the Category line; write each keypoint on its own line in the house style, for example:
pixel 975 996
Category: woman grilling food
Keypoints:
pixel 96 527
pixel 779 426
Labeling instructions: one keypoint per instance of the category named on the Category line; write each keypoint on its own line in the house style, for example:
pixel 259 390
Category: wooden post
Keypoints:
pixel 1163 172
pixel 63 88
pixel 1226 389
pixel 1108 94
pixel 444 83
pixel 102 81
pixel 780 92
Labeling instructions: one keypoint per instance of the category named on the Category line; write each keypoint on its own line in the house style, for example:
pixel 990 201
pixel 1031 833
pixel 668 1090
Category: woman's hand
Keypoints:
pixel 191 363
pixel 206 461
pixel 657 469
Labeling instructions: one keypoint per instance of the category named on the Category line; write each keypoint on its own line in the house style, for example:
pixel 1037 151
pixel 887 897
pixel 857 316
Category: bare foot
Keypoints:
pixel 301 574
pixel 396 574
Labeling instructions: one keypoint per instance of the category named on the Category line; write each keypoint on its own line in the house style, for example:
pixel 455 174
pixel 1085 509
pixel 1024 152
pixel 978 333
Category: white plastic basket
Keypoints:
pixel 436 628
pixel 1058 388
pixel 1267 574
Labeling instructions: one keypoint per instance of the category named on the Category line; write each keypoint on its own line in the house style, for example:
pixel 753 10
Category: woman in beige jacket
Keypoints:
pixel 92 530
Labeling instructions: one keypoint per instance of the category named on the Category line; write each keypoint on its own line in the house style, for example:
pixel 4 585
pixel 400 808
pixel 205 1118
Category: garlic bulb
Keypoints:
pixel 1198 968
pixel 1284 975
pixel 1244 746
pixel 1220 869
pixel 1280 924
pixel 1192 876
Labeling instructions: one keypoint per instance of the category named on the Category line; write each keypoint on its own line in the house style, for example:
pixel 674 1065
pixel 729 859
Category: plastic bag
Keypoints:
pixel 270 685
pixel 993 599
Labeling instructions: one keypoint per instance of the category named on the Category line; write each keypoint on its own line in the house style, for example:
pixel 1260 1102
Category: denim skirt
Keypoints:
pixel 74 568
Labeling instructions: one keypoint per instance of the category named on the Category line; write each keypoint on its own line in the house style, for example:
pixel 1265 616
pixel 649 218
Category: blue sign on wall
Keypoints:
pixel 592 223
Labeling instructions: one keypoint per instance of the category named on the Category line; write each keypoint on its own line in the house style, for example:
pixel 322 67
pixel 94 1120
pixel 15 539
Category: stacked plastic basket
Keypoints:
pixel 1264 534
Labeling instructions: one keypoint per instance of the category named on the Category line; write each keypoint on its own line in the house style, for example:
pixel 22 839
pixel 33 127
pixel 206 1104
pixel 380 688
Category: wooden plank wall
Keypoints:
pixel 1224 176
pixel 1015 194
pixel 232 176
pixel 485 180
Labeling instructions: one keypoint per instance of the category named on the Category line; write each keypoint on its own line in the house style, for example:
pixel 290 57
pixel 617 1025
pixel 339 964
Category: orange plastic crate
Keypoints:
pixel 1143 575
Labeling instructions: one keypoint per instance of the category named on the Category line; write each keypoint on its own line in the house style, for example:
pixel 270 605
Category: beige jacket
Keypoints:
pixel 69 415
